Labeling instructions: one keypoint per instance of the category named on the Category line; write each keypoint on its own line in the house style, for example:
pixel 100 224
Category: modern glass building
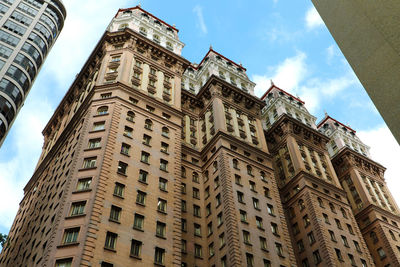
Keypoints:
pixel 28 29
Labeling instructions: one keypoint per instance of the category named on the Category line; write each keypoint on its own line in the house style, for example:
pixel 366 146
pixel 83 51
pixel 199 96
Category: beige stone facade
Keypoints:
pixel 150 160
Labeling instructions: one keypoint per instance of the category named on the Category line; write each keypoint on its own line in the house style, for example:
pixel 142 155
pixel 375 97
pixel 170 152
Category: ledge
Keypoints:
pixel 87 169
pixel 82 191
pixel 75 216
pixel 68 245
pixel 97 131
pixel 91 149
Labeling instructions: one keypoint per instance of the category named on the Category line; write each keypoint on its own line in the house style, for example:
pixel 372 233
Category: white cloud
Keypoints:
pixel 385 150
pixel 330 53
pixel 313 19
pixel 200 23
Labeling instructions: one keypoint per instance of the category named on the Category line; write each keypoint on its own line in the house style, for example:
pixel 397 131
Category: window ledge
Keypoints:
pixel 118 196
pixel 128 136
pixel 144 162
pixel 140 204
pixel 81 191
pixel 159 264
pixel 135 257
pixel 97 131
pixel 87 169
pixel 75 216
pixel 143 182
pixel 162 237
pixel 114 221
pixel 162 212
pixel 110 249
pixel 93 148
pixel 100 115
pixel 68 245
pixel 125 154
pixel 122 174
pixel 138 229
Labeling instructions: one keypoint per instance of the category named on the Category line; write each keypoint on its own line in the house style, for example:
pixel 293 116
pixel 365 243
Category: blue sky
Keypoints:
pixel 274 39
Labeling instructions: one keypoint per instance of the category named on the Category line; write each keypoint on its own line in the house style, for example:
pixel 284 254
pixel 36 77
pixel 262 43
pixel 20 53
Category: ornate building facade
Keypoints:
pixel 150 160
pixel 29 29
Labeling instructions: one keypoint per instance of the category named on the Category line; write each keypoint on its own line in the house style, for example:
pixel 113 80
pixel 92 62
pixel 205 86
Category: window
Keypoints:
pixel 77 208
pixel 136 248
pixel 159 256
pixel 267 192
pixel 235 163
pixel 141 198
pixel 357 246
pixel 83 184
pixel 111 240
pixel 326 218
pixel 274 228
pixel 252 186
pixel 373 237
pixel 183 188
pixel 263 243
pixel 138 221
pixel 305 263
pixel 197 229
pixel 64 263
pixel 207 192
pixel 125 149
pixel 138 64
pixel 263 177
pixel 392 235
pixel 243 216
pixel 300 245
pixel 270 209
pixel 70 236
pixel 160 229
pixel 215 166
pixel 165 132
pixel 321 204
pixel 209 228
pixel 352 261
pixel 163 165
pixel 130 116
pixel 311 238
pixel 219 219
pixel 183 246
pixel 249 170
pixel 301 204
pixel 211 250
pixel 148 124
pixel 146 140
pixel 218 200
pixel 183 206
pixel 338 254
pixel 259 223
pixel 102 110
pixel 94 143
pixel 183 225
pixel 332 207
pixel 164 147
pixel 122 167
pixel 89 163
pixel 216 182
pixel 343 213
pixel 195 177
pixel 162 205
pixel 221 240
pixel 295 228
pixel 256 203
pixel 267 263
pixel 381 253
pixel 198 251
pixel 240 197
pixel 279 249
pixel 363 263
pixel 128 131
pixel 350 229
pixel 238 179
pixel 317 257
pixel 344 240
pixel 196 210
pixel 162 184
pixel 338 224
pixel 145 157
pixel 143 176
pixel 115 213
pixel 196 193
pixel 332 235
pixel 249 260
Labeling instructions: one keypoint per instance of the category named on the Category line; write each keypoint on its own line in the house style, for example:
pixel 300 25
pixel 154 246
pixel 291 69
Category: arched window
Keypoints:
pixel 130 116
pixel 373 236
pixel 183 172
pixel 102 110
pixel 263 177
pixel 156 38
pixel 343 212
pixel 332 207
pixel 392 235
pixel 148 124
pixel 165 132
pixel 143 31
pixel 123 26
pixel 321 204
pixel 195 177
pixel 301 204
pixel 169 46
pixel 215 166
pixel 249 170
pixel 235 163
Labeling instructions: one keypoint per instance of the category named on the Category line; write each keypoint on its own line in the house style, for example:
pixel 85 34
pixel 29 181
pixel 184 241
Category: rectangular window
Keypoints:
pixel 98 126
pixel 246 237
pixel 332 235
pixel 122 167
pixel 274 228
pixel 143 176
pixel 270 209
pixel 136 248
pixel 259 222
pixel 145 157
pixel 161 229
pixel 219 219
pixel 221 240
pixel 111 240
pixel 162 205
pixel 279 249
pixel 138 221
pixel 338 254
pixel 263 243
pixel 344 240
pixel 141 198
pixel 238 179
pixel 197 229
pixel 196 210
pixel 252 186
pixel 183 246
pixel 64 263
pixel 94 143
pixel 162 184
pixel 70 236
pixel 184 225
pixel 209 228
pixel 243 216
pixel 249 260
pixel 198 251
pixel 311 238
pixel 89 163
pixel 159 256
pixel 196 193
pixel 77 208
pixel 115 213
pixel 83 184
pixel 128 131
pixel 211 250
pixel 183 206
pixel 163 165
pixel 317 257
pixel 164 147
pixel 119 190
pixel 240 197
pixel 256 203
pixel 146 139
pixel 267 192
pixel 125 149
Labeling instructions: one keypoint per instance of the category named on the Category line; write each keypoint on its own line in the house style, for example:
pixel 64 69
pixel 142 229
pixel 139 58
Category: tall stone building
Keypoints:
pixel 362 179
pixel 29 29
pixel 323 228
pixel 150 160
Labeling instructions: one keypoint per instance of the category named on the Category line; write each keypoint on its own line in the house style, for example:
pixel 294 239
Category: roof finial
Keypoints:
pixel 326 114
pixel 211 47
pixel 173 25
pixel 272 83
pixel 138 4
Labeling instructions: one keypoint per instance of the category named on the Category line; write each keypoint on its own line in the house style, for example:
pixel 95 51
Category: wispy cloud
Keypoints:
pixel 313 19
pixel 198 10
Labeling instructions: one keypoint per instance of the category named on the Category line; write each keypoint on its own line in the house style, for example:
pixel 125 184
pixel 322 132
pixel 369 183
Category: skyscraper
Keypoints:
pixel 28 29
pixel 150 160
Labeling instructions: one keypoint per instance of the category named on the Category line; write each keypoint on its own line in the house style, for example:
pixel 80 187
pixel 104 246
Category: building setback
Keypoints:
pixel 150 160
pixel 28 30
